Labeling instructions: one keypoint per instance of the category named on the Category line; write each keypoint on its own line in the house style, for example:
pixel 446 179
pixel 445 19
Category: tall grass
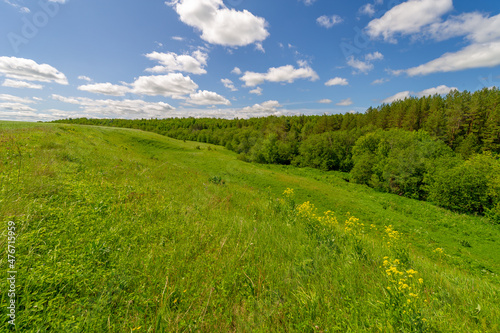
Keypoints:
pixel 126 231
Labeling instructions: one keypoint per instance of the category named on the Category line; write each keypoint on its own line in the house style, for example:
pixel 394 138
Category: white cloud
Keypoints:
pixel 408 18
pixel 229 84
pixel 22 9
pixel 286 73
pixel 178 38
pixel 256 91
pixel 20 84
pixel 171 62
pixel 219 24
pixel 325 101
pixel 16 107
pixel 476 27
pixel 345 102
pixel 380 81
pixel 236 71
pixel 118 108
pixel 359 65
pixel 308 2
pixel 329 21
pixel 84 78
pixel 207 98
pixel 173 85
pixel 472 56
pixel 399 96
pixel 265 108
pixel 481 31
pixel 29 70
pixel 440 90
pixel 374 56
pixel 15 99
pixel 105 89
pixel 367 9
pixel 337 81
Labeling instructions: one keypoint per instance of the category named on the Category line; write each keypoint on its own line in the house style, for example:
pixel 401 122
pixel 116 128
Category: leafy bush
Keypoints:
pixel 471 186
pixel 396 161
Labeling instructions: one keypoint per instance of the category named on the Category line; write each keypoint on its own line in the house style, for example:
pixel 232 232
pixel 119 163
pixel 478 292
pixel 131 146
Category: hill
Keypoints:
pixel 122 230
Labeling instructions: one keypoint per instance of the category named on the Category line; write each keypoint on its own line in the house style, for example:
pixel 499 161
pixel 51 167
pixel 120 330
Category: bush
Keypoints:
pixel 471 186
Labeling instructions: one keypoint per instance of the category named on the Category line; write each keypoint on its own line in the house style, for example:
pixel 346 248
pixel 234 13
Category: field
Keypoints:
pixel 119 230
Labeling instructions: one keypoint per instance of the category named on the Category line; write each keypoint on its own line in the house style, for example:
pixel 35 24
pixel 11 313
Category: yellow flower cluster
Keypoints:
pixel 439 250
pixel 328 219
pixel 392 236
pixel 402 283
pixel 288 192
pixel 306 209
pixel 352 225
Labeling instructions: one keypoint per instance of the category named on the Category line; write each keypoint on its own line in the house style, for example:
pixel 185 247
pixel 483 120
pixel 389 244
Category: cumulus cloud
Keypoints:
pixel 15 99
pixel 171 62
pixel 286 73
pixel 265 108
pixel 440 90
pixel 20 84
pixel 256 91
pixel 236 71
pixel 337 81
pixel 173 85
pixel 325 101
pixel 367 9
pixel 84 78
pixel 484 51
pixel 16 107
pixel 472 56
pixel 361 66
pixel 422 18
pixel 374 56
pixel 408 18
pixel 118 108
pixel 329 21
pixel 29 70
pixel 380 81
pixel 229 84
pixel 219 24
pixel 105 89
pixel 345 102
pixel 204 97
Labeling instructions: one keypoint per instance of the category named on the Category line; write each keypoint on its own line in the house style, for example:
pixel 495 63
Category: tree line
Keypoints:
pixel 441 149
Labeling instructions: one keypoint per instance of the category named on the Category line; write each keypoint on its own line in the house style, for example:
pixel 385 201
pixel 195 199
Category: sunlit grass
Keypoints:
pixel 127 231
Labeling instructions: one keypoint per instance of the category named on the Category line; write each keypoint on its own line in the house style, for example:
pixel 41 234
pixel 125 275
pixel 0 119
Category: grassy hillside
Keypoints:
pixel 120 230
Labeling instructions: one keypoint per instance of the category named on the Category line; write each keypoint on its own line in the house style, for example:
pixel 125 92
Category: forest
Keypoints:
pixel 441 149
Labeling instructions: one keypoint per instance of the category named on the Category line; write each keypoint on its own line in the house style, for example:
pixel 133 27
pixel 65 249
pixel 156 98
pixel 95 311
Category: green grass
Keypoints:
pixel 127 231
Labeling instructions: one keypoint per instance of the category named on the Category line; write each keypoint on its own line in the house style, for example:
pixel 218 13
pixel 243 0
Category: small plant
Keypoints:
pixel 217 180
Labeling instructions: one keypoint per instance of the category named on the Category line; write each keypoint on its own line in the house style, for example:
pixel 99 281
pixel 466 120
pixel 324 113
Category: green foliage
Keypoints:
pixel 217 180
pixel 396 161
pixel 468 186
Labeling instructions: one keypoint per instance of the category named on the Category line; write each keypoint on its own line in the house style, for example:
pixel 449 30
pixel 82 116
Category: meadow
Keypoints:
pixel 120 230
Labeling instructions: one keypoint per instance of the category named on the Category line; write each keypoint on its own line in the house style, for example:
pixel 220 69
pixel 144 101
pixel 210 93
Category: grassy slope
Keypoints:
pixel 120 229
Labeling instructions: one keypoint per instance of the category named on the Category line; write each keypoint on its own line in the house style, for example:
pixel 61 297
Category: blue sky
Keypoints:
pixel 238 58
